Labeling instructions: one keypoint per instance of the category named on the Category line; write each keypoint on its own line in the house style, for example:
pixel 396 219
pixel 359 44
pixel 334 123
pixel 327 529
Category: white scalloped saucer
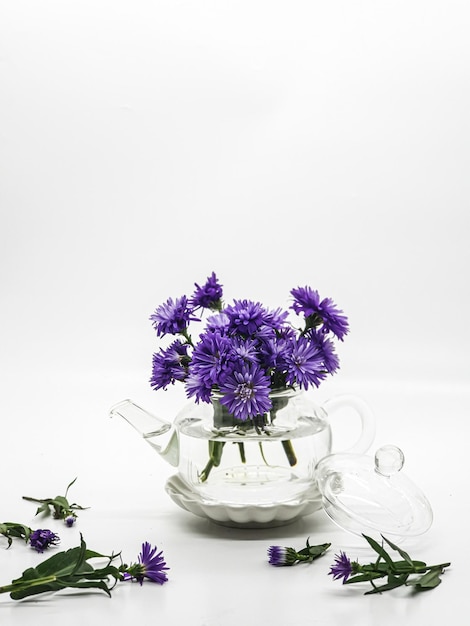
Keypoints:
pixel 242 516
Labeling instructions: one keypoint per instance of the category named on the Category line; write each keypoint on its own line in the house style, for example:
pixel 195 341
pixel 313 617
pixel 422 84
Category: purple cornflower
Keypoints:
pixel 307 302
pixel 304 364
pixel 197 388
pixel 246 392
pixel 172 317
pixel 245 316
pixel 217 322
pixel 70 520
pixel 327 349
pixel 168 365
pixel 209 296
pixel 210 358
pixel 333 319
pixel 245 350
pixel 342 567
pixel 41 539
pixel 273 352
pixel 279 556
pixel 276 319
pixel 151 565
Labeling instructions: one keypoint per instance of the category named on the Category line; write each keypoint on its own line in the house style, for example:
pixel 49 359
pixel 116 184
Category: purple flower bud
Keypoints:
pixel 42 538
pixel 342 567
pixel 279 555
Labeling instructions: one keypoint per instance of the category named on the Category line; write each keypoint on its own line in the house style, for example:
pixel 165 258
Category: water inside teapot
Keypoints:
pixel 252 467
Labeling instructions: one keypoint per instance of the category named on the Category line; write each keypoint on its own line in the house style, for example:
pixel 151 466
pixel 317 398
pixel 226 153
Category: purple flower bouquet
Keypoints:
pixel 246 354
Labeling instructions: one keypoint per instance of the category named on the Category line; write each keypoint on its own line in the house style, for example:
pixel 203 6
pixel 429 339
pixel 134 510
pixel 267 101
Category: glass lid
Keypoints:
pixel 371 495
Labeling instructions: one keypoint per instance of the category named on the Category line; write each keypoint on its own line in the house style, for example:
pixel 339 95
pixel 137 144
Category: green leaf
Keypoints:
pixel 61 563
pixel 91 554
pixel 13 529
pixel 103 572
pixel 360 578
pixel 404 555
pixel 60 502
pixel 429 580
pixel 90 584
pixel 81 555
pixel 37 589
pixel 316 551
pixel 380 550
pixel 392 583
pixel 382 568
pixel 411 566
pixel 44 508
pixel 313 552
pixel 69 485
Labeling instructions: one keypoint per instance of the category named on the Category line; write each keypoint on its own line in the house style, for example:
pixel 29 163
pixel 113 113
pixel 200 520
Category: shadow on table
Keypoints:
pixel 309 525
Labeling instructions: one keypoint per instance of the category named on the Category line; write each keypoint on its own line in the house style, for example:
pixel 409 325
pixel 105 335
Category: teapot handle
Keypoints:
pixel 367 435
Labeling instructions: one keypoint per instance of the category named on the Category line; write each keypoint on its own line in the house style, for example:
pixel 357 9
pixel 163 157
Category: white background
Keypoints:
pixel 145 144
pixel 281 144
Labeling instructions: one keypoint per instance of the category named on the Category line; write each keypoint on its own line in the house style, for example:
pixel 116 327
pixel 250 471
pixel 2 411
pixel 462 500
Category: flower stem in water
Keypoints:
pixel 215 454
pixel 241 447
pixel 289 450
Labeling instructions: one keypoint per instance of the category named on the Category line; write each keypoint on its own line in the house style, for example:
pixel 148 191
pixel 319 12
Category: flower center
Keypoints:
pixel 245 392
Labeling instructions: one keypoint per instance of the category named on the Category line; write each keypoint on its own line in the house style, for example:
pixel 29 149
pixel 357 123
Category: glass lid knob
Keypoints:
pixel 389 460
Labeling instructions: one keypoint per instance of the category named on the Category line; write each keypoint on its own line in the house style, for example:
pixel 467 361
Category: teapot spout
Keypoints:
pixel 151 428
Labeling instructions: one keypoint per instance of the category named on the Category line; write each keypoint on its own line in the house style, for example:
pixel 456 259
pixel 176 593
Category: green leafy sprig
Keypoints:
pixel 281 556
pixel 310 553
pixel 405 571
pixel 70 568
pixel 59 507
pixel 13 529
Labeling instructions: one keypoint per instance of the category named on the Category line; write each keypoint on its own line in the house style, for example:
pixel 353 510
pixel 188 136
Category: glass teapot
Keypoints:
pixel 254 473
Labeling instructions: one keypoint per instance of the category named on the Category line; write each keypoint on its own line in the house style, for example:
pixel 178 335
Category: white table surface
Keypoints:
pixel 55 428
